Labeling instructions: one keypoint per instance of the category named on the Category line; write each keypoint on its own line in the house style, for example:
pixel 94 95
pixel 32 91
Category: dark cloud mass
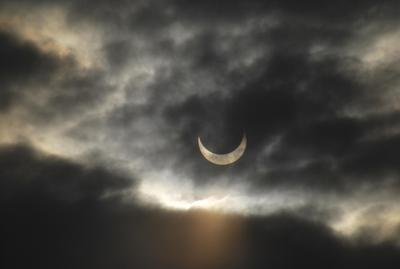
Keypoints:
pixel 21 61
pixel 101 104
pixel 42 226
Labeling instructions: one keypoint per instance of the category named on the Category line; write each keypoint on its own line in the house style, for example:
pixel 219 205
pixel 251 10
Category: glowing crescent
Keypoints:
pixel 223 159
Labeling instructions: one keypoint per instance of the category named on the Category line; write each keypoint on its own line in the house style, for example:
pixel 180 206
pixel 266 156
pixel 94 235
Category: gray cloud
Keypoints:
pixel 309 84
pixel 42 225
pixel 22 63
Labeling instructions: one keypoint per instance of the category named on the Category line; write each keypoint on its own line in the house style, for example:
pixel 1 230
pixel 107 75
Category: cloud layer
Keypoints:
pixel 111 97
pixel 55 214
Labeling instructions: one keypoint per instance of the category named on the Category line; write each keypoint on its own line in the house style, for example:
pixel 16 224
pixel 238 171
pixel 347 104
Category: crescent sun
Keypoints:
pixel 223 159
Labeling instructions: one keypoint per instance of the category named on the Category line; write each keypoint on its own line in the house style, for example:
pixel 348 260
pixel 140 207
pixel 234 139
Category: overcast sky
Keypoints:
pixel 101 104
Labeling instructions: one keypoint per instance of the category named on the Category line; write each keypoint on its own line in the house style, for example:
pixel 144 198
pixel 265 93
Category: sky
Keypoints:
pixel 102 103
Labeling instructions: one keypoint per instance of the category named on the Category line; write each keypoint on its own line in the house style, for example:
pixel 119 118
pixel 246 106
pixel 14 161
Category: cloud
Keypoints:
pixel 54 214
pixel 27 173
pixel 22 62
pixel 135 83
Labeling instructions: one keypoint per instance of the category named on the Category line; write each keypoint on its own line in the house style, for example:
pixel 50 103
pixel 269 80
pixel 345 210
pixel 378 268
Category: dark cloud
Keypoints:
pixel 283 72
pixel 294 97
pixel 22 63
pixel 291 91
pixel 26 172
pixel 340 11
pixel 29 72
pixel 53 215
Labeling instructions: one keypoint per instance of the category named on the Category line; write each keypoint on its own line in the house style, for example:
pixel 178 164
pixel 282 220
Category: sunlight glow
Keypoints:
pixel 176 195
